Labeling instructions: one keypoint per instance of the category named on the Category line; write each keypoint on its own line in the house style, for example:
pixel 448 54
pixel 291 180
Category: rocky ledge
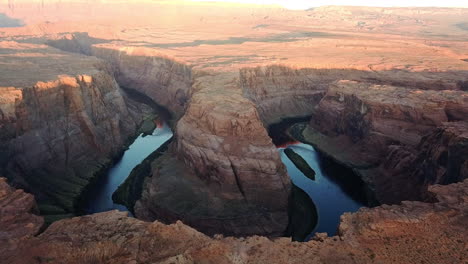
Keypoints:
pixel 399 139
pixel 222 174
pixel 163 79
pixel 63 118
pixel 413 232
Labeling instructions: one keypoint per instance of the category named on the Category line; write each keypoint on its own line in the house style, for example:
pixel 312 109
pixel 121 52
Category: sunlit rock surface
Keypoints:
pixel 225 71
pixel 234 182
pixel 413 232
pixel 63 117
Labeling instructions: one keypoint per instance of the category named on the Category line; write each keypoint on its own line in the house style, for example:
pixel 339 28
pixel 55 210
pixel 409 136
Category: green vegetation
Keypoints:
pixel 130 191
pixel 300 163
pixel 303 216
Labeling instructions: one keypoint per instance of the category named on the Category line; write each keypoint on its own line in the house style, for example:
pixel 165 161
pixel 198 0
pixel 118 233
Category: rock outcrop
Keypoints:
pixel 223 174
pixel 365 126
pixel 281 92
pixel 61 126
pixel 440 158
pixel 413 232
pixel 163 79
pixel 18 218
pixel 220 140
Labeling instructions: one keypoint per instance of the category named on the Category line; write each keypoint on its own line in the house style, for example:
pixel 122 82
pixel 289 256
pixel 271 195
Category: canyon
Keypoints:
pixel 413 232
pixel 382 92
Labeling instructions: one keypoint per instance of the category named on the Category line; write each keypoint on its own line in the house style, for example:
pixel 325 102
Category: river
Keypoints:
pixel 100 199
pixel 330 196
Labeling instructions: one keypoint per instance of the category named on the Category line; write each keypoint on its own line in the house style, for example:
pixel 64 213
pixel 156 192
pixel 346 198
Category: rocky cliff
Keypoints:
pixel 237 181
pixel 281 92
pixel 161 78
pixel 367 125
pixel 18 217
pixel 223 174
pixel 61 126
pixel 413 232
pixel 164 80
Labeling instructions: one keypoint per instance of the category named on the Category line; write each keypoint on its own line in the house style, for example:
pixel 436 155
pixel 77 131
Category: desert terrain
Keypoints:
pixel 381 92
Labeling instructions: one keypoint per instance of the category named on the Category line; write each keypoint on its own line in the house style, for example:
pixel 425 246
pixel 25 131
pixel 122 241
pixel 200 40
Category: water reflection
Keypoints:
pixel 100 197
pixel 330 196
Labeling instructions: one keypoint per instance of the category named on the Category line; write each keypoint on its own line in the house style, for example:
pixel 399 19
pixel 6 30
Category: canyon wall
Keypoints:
pixel 59 132
pixel 377 123
pixel 161 78
pixel 222 174
pixel 440 158
pixel 164 80
pixel 281 92
pixel 413 232
pixel 390 135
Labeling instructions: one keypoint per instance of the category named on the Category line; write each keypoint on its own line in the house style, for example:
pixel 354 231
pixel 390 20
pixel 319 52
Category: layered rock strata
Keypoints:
pixel 366 126
pixel 161 78
pixel 281 92
pixel 223 174
pixel 61 126
pixel 220 140
pixel 18 217
pixel 413 232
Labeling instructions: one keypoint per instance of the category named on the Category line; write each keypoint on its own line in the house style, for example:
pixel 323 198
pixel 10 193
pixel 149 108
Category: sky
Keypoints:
pixel 304 4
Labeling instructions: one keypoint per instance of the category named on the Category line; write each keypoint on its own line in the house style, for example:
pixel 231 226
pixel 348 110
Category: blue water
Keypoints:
pixel 329 198
pixel 101 198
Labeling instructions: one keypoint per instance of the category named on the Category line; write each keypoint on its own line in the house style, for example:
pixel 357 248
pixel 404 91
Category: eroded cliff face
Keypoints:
pixel 161 78
pixel 398 129
pixel 413 232
pixel 18 217
pixel 281 92
pixel 440 158
pixel 60 131
pixel 223 174
pixel 164 80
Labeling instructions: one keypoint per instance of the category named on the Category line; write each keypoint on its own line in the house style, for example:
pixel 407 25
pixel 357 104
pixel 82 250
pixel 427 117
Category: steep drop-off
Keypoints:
pixel 366 126
pixel 413 232
pixel 281 92
pixel 373 122
pixel 163 79
pixel 61 126
pixel 222 173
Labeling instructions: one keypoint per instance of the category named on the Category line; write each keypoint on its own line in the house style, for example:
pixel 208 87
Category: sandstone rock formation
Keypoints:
pixel 18 217
pixel 280 92
pixel 364 125
pixel 61 125
pixel 161 78
pixel 226 175
pixel 418 56
pixel 414 232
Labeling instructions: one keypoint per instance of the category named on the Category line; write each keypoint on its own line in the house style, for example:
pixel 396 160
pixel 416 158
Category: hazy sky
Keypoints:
pixel 303 4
